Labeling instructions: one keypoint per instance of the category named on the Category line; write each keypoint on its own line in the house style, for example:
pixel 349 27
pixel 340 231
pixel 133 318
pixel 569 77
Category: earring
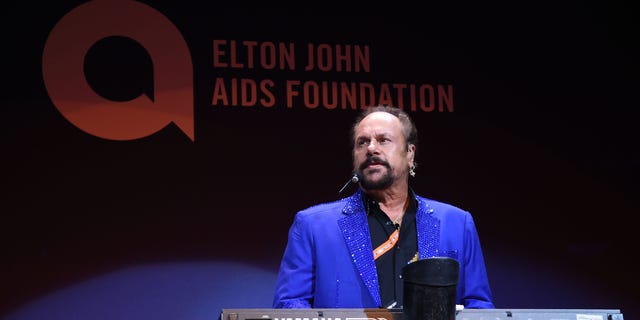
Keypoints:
pixel 412 169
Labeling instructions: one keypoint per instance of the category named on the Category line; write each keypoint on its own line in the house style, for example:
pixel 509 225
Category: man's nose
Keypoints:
pixel 372 146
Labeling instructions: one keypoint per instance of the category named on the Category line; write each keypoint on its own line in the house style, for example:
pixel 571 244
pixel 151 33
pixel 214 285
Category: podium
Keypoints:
pixel 396 314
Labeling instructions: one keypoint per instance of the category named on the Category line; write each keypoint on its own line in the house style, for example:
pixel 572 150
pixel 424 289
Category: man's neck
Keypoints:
pixel 393 201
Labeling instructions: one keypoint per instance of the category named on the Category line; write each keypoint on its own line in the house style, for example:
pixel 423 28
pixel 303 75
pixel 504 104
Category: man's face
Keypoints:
pixel 380 154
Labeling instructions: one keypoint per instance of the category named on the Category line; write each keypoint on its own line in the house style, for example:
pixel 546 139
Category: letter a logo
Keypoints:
pixel 63 71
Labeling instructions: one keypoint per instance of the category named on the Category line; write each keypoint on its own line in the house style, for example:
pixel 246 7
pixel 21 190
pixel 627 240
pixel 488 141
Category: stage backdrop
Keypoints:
pixel 156 152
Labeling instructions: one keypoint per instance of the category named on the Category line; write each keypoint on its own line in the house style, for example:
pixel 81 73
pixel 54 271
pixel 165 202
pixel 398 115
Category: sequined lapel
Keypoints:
pixel 355 230
pixel 428 228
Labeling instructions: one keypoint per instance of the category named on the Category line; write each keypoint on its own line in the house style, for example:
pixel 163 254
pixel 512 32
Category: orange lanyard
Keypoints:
pixel 387 245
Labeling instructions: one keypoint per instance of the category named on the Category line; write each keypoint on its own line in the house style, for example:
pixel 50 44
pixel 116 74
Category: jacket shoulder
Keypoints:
pixel 439 207
pixel 325 207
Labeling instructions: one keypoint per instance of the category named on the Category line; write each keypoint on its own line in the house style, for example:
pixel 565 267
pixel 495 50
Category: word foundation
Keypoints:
pixel 351 95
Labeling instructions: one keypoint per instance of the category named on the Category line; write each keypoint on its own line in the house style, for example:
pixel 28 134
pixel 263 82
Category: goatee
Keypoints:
pixel 383 183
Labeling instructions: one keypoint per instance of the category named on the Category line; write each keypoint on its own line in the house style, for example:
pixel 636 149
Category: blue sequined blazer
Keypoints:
pixel 328 261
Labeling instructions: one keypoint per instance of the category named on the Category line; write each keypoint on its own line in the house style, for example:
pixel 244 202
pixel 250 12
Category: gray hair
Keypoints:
pixel 409 128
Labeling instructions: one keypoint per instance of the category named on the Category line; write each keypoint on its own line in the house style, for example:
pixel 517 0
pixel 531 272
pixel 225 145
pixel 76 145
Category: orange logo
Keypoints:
pixel 65 81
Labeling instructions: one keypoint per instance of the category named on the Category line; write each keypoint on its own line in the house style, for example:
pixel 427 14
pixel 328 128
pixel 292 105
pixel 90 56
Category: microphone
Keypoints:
pixel 354 179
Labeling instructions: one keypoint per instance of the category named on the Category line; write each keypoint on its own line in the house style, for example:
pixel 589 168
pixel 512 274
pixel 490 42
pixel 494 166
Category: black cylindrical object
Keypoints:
pixel 430 288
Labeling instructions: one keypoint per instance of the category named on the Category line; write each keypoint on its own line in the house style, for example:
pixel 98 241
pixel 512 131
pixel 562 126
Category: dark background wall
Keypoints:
pixel 541 147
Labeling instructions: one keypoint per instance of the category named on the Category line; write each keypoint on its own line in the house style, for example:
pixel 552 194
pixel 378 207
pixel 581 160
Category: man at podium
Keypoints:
pixel 350 253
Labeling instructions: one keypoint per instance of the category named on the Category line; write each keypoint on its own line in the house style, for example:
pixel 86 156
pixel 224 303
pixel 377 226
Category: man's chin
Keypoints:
pixel 375 182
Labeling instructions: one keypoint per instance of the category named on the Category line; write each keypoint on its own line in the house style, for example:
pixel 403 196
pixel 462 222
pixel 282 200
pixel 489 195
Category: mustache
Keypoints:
pixel 372 160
